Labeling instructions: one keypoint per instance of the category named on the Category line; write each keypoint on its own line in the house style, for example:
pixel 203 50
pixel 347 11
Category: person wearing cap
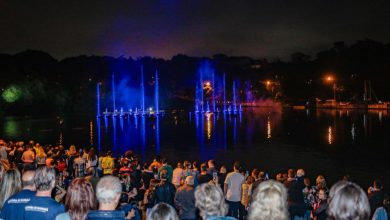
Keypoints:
pixel 165 190
pixel 185 199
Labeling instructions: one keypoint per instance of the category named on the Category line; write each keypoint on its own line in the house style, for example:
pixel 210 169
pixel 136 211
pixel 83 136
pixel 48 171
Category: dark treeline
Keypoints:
pixel 33 82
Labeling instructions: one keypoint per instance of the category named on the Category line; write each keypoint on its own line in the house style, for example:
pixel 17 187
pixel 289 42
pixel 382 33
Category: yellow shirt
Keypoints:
pixel 107 164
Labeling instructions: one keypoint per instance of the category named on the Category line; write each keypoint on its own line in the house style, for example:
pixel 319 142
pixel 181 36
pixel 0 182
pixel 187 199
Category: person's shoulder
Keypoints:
pixel 63 216
pixel 45 200
pixel 230 174
pixel 24 193
pixel 182 189
pixel 33 198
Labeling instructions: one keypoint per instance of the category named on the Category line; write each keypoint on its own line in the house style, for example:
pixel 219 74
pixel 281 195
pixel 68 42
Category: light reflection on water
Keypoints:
pixel 330 135
pixel 272 138
pixel 269 131
pixel 208 129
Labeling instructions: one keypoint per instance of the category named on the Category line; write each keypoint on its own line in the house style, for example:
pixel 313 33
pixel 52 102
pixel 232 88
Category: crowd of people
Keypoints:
pixel 51 182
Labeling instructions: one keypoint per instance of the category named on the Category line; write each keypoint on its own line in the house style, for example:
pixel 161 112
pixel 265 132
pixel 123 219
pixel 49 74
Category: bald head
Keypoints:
pixel 28 179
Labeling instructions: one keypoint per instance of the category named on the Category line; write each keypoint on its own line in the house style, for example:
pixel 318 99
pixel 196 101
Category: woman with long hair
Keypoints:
pixel 92 160
pixel 41 156
pixel 80 198
pixel 269 201
pixel 210 201
pixel 10 185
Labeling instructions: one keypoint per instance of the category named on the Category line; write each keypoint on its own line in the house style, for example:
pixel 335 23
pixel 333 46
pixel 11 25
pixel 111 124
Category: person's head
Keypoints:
pixel 91 171
pixel 255 173
pixel 348 201
pixel 261 175
pixel 279 177
pixel 210 163
pixel 45 178
pixel 223 169
pixel 10 185
pixel 377 184
pixel 91 154
pixel 300 173
pixel 291 173
pixel 162 211
pixel 164 161
pixel 189 181
pixel 203 167
pixel 210 201
pixel 195 165
pixel 28 180
pixel 237 166
pixel 306 181
pixel 250 179
pixel 164 175
pixel 108 191
pixel 269 202
pixel 129 154
pixel 187 164
pixel 321 182
pixel 179 165
pixel 322 194
pixel 79 199
pixel 41 152
pixel 346 177
pixel 72 150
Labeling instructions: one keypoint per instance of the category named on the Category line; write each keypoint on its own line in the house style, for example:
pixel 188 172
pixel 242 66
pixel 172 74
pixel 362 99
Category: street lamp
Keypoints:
pixel 331 79
pixel 268 84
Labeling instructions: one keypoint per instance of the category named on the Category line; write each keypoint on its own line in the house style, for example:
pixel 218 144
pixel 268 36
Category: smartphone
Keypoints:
pixel 215 176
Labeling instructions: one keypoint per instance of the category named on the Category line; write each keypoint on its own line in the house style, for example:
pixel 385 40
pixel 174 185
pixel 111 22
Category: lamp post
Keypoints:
pixel 330 79
pixel 269 83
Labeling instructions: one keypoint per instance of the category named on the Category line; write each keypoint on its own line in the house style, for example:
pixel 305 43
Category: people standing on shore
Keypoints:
pixel 233 189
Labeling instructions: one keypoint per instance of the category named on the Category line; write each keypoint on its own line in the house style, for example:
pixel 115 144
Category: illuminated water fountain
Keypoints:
pixel 139 110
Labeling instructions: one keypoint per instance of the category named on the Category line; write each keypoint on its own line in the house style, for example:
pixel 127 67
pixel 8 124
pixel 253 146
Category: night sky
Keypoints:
pixel 164 28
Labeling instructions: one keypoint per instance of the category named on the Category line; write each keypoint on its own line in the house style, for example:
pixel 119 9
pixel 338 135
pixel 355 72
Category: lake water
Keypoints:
pixel 327 142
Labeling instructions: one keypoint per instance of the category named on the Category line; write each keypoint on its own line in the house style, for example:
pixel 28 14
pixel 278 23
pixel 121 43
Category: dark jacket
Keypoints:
pixel 165 192
pixel 212 170
pixel 376 200
pixel 295 197
pixel 185 202
pixel 320 212
pixel 204 178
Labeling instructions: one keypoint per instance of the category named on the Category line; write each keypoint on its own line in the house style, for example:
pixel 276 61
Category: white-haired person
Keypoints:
pixel 269 201
pixel 42 206
pixel 162 211
pixel 108 193
pixel 210 201
pixel 348 201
